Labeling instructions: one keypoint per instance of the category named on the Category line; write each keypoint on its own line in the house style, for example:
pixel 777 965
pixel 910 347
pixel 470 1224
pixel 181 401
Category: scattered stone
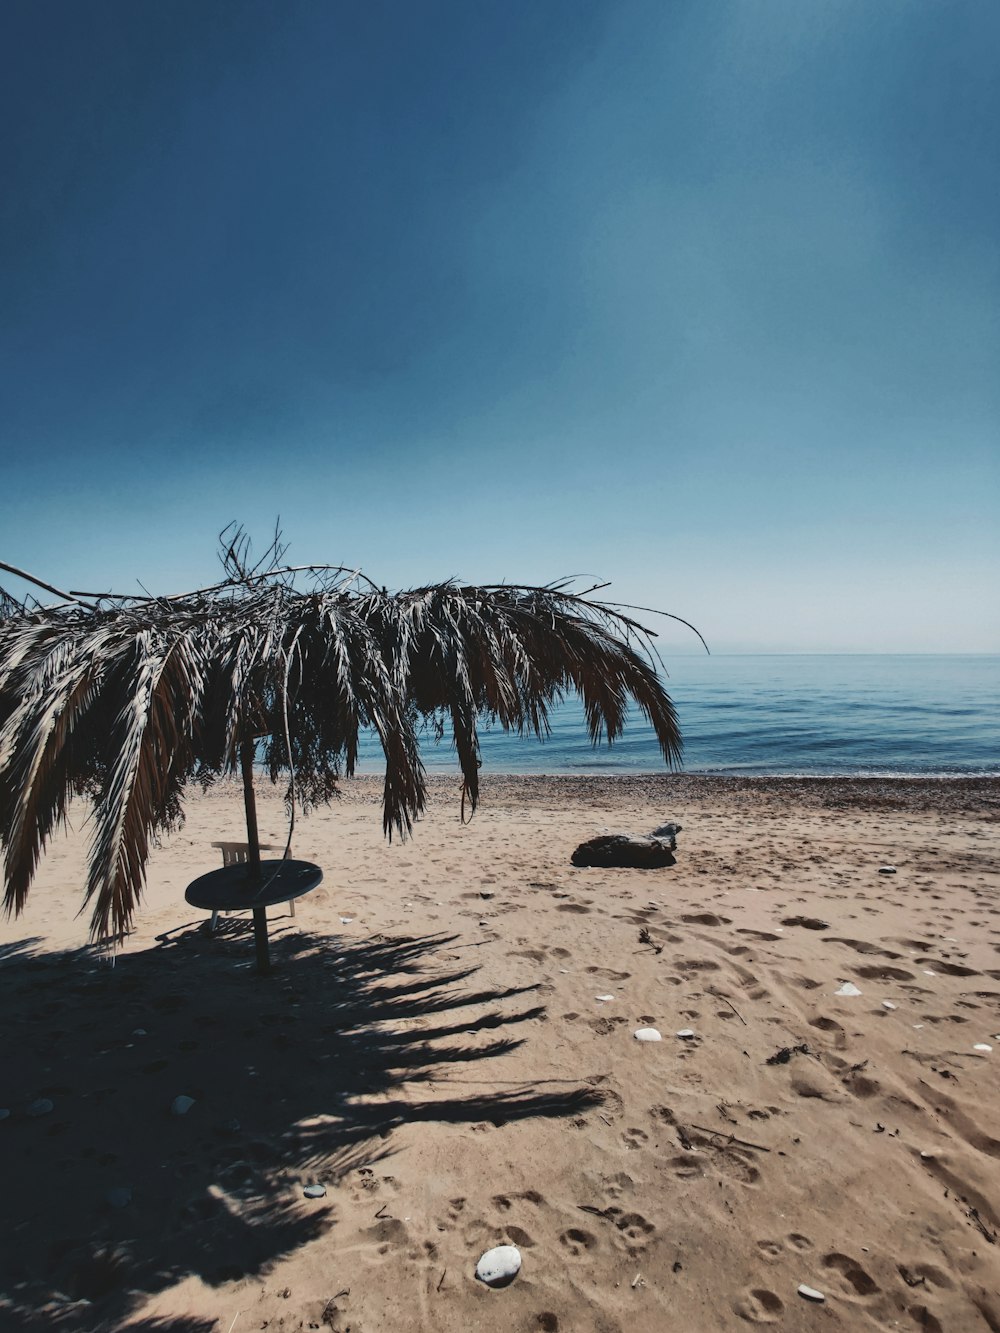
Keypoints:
pixel 625 850
pixel 686 1034
pixel 181 1105
pixel 810 1293
pixel 981 1046
pixel 887 870
pixel 604 998
pixel 646 1034
pixel 314 1191
pixel 42 1106
pixel 500 1266
pixel 667 833
pixel 120 1197
pixel 848 988
pixel 888 1004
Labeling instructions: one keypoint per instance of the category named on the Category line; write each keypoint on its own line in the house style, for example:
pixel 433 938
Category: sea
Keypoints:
pixel 822 715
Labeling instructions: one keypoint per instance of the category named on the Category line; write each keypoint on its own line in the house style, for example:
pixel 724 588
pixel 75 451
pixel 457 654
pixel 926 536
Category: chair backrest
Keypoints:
pixel 235 853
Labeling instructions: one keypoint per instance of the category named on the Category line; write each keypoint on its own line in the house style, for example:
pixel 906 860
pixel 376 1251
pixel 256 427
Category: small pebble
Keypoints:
pixel 810 1293
pixel 40 1107
pixel 888 1004
pixel 848 988
pixel 314 1191
pixel 646 1034
pixel 981 1046
pixel 181 1105
pixel 885 870
pixel 686 1034
pixel 927 1156
pixel 500 1266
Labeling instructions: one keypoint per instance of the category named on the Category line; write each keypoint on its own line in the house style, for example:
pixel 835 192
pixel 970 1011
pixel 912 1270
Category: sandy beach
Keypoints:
pixel 446 1044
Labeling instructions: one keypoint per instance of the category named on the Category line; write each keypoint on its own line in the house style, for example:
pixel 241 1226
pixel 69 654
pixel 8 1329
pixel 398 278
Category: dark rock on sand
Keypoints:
pixel 623 849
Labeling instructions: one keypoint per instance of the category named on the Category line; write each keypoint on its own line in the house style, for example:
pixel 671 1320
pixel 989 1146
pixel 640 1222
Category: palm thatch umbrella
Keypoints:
pixel 128 699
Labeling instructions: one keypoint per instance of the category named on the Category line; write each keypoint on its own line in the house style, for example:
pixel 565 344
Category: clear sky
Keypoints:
pixel 702 298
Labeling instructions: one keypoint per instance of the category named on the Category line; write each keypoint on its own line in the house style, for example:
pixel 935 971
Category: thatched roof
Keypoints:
pixel 127 699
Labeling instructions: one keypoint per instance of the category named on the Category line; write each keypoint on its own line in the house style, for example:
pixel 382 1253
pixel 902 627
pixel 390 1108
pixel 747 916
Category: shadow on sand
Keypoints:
pixel 109 1198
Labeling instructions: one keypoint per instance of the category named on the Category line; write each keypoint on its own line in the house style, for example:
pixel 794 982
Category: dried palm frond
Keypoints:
pixel 128 699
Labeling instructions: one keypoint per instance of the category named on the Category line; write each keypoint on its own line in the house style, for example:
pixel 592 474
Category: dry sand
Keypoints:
pixel 441 1062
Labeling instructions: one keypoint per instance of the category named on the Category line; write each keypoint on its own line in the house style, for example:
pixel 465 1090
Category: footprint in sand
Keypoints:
pixel 760 1306
pixel 578 1242
pixel 853 1277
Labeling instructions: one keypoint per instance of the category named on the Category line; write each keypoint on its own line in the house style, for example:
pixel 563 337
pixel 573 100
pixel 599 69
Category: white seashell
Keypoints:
pixel 181 1105
pixel 981 1046
pixel 314 1191
pixel 500 1266
pixel 646 1034
pixel 929 973
pixel 848 988
pixel 346 920
pixel 810 1293
pixel 888 1004
pixel 887 870
pixel 686 1034
pixel 604 998
pixel 40 1107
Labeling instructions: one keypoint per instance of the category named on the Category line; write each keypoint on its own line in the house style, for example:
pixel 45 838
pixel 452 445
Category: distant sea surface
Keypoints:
pixel 809 715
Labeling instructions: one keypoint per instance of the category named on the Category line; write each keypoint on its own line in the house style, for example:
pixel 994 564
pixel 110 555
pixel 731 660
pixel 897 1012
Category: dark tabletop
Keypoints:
pixel 230 888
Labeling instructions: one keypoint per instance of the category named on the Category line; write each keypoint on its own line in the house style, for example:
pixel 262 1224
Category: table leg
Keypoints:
pixel 260 940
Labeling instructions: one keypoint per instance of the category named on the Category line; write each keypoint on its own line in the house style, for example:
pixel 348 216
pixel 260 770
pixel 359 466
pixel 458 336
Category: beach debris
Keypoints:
pixel 646 1034
pixel 782 1056
pixel 982 1046
pixel 686 1034
pixel 887 870
pixel 604 998
pixel 848 988
pixel 806 922
pixel 119 1197
pixel 500 1266
pixel 181 1105
pixel 41 1106
pixel 719 1133
pixel 314 1191
pixel 638 1281
pixel 888 1004
pixel 646 938
pixel 810 1293
pixel 625 850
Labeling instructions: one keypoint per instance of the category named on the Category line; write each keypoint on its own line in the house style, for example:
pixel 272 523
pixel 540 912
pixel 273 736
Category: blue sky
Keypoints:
pixel 700 298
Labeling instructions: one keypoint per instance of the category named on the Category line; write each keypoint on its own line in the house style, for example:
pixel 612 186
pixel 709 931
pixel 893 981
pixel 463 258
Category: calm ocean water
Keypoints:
pixel 851 714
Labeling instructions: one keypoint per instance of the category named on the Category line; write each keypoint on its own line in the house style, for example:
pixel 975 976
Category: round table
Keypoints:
pixel 237 888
